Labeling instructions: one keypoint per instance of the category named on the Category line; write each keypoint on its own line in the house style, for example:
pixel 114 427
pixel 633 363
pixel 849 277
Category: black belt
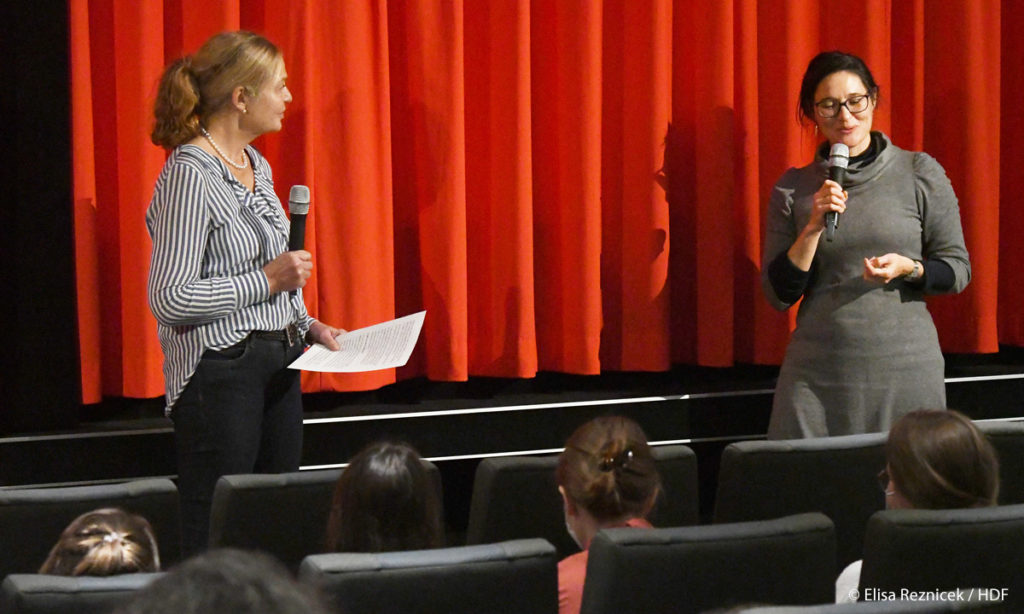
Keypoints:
pixel 289 335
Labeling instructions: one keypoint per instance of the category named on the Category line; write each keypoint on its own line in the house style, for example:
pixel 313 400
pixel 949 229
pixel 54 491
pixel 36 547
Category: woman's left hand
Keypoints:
pixel 887 268
pixel 325 335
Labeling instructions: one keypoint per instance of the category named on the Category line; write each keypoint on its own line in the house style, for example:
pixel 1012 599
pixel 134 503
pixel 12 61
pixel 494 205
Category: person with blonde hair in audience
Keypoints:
pixel 385 501
pixel 607 478
pixel 104 542
pixel 934 459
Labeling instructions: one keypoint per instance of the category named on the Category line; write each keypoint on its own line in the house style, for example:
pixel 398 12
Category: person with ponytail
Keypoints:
pixel 224 288
pixel 607 478
pixel 104 542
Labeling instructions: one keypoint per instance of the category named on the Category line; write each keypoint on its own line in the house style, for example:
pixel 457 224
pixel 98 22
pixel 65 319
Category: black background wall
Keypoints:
pixel 39 370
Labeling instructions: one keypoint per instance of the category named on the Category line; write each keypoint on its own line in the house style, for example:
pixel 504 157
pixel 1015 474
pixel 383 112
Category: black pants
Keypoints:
pixel 240 413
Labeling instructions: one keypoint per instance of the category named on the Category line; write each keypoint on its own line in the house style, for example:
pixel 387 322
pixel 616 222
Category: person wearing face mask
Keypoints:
pixel 224 288
pixel 865 350
pixel 935 459
pixel 607 478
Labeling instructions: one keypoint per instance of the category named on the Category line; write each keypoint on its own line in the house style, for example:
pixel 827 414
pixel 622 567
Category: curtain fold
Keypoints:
pixel 429 157
pixel 565 60
pixel 564 185
pixel 126 57
pixel 499 189
pixel 637 106
pixel 714 182
pixel 87 284
pixel 961 129
pixel 1011 179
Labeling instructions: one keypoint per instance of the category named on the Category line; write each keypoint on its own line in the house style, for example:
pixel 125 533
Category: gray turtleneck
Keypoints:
pixel 863 353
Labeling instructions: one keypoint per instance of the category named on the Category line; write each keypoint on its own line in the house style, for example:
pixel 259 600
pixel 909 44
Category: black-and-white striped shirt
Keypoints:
pixel 211 239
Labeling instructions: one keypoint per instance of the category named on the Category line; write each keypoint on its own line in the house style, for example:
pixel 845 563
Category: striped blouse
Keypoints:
pixel 211 239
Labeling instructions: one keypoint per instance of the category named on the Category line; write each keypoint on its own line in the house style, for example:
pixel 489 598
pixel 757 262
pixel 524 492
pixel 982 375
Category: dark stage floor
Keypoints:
pixel 457 423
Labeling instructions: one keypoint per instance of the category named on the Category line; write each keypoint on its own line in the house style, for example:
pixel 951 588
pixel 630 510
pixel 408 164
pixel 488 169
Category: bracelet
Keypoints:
pixel 916 274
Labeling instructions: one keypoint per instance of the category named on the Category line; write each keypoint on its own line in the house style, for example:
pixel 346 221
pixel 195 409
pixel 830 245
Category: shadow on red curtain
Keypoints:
pixel 572 185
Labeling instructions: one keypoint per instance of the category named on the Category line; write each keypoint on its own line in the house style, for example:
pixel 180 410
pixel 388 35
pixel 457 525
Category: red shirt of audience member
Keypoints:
pixel 572 570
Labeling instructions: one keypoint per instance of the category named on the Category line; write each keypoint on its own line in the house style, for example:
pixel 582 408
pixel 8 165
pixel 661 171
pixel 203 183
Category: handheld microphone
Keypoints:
pixel 298 207
pixel 838 160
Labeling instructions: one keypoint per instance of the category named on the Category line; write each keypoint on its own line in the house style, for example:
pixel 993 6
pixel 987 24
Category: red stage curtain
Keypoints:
pixel 565 185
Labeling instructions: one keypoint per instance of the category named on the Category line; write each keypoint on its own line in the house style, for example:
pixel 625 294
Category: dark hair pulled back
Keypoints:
pixel 608 469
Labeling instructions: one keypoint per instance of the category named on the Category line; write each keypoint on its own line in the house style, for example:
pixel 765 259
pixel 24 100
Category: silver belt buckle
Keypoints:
pixel 292 332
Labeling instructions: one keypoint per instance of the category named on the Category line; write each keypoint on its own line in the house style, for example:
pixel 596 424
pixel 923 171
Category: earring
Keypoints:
pixel 815 129
pixel 245 110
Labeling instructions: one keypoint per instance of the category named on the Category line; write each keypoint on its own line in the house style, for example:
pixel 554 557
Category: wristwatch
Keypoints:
pixel 917 273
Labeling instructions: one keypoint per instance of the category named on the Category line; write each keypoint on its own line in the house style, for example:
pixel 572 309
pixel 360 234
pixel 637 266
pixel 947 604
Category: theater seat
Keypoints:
pixel 923 550
pixel 31 520
pixel 693 569
pixel 514 577
pixel 883 607
pixel 516 497
pixel 40 594
pixel 284 514
pixel 1008 439
pixel 836 476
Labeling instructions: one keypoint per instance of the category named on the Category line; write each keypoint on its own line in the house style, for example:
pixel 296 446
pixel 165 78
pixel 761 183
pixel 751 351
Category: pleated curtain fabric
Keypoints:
pixel 564 185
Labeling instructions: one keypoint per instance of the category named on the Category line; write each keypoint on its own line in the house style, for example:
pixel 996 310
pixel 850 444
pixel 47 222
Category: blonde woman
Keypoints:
pixel 104 542
pixel 224 289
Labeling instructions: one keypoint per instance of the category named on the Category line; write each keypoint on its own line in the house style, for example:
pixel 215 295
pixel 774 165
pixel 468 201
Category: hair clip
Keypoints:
pixel 616 462
pixel 113 537
pixel 626 458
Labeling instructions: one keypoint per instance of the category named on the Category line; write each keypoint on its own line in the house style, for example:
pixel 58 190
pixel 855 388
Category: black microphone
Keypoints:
pixel 298 207
pixel 838 160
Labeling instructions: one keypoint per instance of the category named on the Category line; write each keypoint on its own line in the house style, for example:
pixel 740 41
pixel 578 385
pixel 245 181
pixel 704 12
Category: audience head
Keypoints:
pixel 195 87
pixel 385 500
pixel 104 542
pixel 607 470
pixel 227 580
pixel 938 459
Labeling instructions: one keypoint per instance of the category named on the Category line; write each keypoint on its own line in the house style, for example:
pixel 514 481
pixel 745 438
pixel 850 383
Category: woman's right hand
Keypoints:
pixel 289 271
pixel 830 197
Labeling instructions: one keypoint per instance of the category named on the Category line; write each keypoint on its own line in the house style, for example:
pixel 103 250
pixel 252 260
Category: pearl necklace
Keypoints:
pixel 245 158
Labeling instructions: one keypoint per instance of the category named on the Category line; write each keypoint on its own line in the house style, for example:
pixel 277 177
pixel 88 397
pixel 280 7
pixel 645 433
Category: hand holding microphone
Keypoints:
pixel 290 270
pixel 838 160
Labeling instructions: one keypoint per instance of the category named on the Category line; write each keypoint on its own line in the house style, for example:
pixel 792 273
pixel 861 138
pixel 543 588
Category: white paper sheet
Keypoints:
pixel 381 346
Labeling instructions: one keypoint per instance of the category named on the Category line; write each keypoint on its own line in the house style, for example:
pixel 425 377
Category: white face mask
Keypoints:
pixel 572 534
pixel 565 514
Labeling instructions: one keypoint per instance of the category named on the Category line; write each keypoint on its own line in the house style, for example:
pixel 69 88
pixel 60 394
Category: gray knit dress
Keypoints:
pixel 863 353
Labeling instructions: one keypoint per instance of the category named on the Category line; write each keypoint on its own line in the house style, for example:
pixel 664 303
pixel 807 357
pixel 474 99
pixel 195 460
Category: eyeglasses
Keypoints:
pixel 830 107
pixel 883 482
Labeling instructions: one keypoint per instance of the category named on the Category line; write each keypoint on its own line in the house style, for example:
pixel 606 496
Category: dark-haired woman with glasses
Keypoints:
pixel 935 459
pixel 865 350
pixel 607 478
